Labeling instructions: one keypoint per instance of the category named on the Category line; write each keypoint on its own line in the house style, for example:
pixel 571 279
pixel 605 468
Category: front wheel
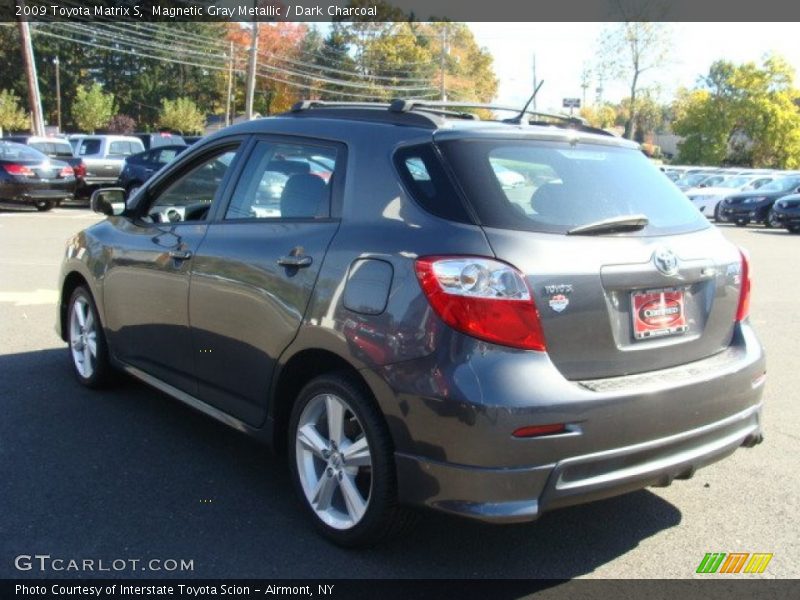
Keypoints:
pixel 772 220
pixel 718 216
pixel 44 205
pixel 342 465
pixel 87 342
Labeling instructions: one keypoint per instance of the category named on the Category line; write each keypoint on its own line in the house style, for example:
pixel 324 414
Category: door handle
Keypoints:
pixel 180 254
pixel 296 261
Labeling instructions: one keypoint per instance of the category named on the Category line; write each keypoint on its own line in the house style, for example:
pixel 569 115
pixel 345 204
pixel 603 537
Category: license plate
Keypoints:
pixel 657 313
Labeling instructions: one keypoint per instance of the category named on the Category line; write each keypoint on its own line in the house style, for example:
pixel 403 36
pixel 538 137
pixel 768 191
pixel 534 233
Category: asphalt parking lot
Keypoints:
pixel 131 474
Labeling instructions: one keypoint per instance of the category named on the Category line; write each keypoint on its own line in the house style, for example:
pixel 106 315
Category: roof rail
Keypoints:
pixel 431 113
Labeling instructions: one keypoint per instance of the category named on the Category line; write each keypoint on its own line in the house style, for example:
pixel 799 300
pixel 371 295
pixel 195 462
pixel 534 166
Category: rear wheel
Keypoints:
pixel 742 222
pixel 44 205
pixel 342 463
pixel 87 342
pixel 718 216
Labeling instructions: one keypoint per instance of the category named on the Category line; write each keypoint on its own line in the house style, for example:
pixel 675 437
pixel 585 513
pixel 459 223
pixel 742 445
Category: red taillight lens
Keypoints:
pixel 67 172
pixel 20 170
pixel 79 170
pixel 482 297
pixel 743 311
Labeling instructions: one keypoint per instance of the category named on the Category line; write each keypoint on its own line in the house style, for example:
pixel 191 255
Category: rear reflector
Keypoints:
pixel 743 310
pixel 20 170
pixel 539 430
pixel 483 298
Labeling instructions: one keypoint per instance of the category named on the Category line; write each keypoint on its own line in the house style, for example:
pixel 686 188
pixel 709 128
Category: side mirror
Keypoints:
pixel 108 201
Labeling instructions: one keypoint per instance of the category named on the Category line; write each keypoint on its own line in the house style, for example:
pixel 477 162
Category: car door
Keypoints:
pixel 255 270
pixel 146 286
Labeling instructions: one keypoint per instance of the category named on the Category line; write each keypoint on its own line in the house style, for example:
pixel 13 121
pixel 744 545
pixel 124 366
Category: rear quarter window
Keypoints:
pixel 428 183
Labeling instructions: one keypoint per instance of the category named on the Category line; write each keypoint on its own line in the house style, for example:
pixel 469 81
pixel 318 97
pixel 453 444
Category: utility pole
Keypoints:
pixel 57 63
pixel 228 118
pixel 442 57
pixel 251 72
pixel 535 81
pixel 34 101
pixel 586 77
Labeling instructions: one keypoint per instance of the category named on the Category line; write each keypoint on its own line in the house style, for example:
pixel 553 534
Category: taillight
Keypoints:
pixel 66 172
pixel 482 297
pixel 20 170
pixel 743 311
pixel 79 170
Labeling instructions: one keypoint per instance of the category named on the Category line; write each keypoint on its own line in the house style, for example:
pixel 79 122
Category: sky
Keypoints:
pixel 562 49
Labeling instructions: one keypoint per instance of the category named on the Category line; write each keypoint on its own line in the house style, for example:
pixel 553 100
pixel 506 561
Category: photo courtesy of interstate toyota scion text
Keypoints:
pixel 421 308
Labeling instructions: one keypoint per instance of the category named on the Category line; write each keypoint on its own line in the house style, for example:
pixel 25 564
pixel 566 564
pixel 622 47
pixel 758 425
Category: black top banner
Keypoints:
pixel 400 10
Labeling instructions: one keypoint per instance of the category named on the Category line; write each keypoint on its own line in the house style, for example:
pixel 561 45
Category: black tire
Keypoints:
pixel 771 222
pixel 383 517
pixel 718 216
pixel 742 222
pixel 44 205
pixel 794 229
pixel 102 374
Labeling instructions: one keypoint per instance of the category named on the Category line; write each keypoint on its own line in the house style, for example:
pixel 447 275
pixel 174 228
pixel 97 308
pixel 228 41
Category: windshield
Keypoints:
pixel 736 182
pixel 780 185
pixel 693 180
pixel 12 151
pixel 556 186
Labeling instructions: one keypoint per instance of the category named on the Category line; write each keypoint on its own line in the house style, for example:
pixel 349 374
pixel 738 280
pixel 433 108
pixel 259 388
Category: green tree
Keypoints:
pixel 746 114
pixel 628 51
pixel 181 115
pixel 12 117
pixel 92 108
pixel 603 116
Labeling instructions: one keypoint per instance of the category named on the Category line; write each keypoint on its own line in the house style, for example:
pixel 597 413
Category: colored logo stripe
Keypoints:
pixel 758 563
pixel 722 562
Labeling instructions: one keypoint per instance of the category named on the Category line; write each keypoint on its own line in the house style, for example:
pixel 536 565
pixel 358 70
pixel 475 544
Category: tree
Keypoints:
pixel 122 124
pixel 181 115
pixel 92 108
pixel 627 52
pixel 12 117
pixel 744 114
pixel 603 116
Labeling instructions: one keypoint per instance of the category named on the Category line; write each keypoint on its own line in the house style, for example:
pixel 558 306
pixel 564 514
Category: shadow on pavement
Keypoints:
pixel 129 473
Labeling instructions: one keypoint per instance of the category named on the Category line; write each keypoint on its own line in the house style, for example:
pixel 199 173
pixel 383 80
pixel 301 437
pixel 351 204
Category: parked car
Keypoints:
pixel 74 140
pixel 756 206
pixel 694 179
pixel 708 200
pixel 786 213
pixel 416 333
pixel 140 167
pixel 104 157
pixel 161 138
pixel 28 177
pixel 192 139
pixel 58 148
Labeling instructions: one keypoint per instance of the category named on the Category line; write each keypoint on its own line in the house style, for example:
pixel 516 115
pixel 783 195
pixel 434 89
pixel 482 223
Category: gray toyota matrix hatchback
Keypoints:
pixel 489 318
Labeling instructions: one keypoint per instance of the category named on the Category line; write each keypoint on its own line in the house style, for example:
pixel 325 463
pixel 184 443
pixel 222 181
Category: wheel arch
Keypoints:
pixel 296 372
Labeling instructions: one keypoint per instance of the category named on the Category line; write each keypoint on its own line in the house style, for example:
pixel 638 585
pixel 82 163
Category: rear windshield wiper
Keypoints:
pixel 612 225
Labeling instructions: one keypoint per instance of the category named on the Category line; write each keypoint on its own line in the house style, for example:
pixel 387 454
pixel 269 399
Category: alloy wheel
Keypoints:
pixel 83 337
pixel 334 461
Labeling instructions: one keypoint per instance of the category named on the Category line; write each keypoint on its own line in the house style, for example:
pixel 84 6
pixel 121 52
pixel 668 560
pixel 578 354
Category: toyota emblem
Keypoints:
pixel 665 261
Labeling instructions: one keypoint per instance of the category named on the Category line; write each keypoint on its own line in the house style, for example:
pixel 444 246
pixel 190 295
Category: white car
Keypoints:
pixel 707 199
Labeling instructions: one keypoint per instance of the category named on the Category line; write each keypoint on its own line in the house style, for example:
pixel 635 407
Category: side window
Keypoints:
pixel 89 147
pixel 165 156
pixel 423 174
pixel 188 197
pixel 285 181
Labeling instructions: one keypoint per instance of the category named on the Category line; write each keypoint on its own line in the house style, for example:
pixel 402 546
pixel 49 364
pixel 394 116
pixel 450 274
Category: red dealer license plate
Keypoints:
pixel 657 313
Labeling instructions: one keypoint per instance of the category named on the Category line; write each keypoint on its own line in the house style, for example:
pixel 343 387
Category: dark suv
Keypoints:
pixel 490 318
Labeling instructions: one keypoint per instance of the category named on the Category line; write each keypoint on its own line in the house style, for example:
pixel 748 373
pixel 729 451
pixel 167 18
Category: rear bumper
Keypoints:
pixel 27 193
pixel 623 433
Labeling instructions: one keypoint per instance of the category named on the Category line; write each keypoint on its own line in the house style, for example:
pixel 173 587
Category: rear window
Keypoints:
pixel 89 147
pixel 556 186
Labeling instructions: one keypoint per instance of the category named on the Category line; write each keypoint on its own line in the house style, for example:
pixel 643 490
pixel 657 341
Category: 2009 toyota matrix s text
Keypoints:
pixel 490 318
